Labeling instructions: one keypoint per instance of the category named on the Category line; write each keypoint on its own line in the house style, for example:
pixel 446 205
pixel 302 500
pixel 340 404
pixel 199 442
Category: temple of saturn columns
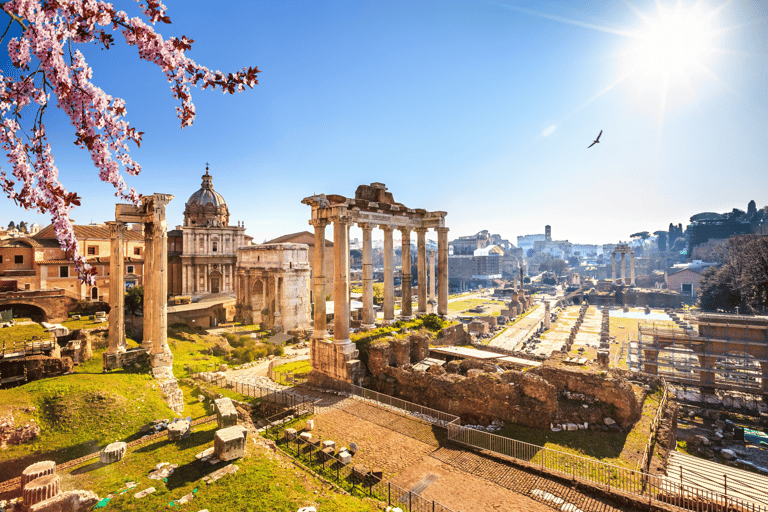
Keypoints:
pixel 372 207
pixel 151 213
pixel 623 249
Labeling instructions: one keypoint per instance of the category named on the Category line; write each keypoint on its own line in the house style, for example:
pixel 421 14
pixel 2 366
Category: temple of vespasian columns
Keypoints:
pixel 151 213
pixel 623 249
pixel 372 207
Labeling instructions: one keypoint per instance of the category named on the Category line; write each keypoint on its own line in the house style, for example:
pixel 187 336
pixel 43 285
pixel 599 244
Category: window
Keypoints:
pixel 687 289
pixel 214 246
pixel 64 271
pixel 137 251
pixel 93 250
pixel 94 293
pixel 129 269
pixel 18 259
pixel 1 258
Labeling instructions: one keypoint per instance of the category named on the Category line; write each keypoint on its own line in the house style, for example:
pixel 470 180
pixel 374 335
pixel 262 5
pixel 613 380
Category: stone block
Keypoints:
pixel 36 470
pixel 345 458
pixel 112 453
pixel 309 425
pixel 178 430
pixel 226 414
pixel 41 489
pixel 353 448
pixel 69 501
pixel 329 444
pixel 290 434
pixel 326 454
pixel 229 443
pixel 305 436
pixel 145 492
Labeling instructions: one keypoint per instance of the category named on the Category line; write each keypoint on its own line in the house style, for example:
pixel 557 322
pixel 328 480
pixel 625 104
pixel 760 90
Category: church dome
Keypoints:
pixel 206 194
pixel 206 207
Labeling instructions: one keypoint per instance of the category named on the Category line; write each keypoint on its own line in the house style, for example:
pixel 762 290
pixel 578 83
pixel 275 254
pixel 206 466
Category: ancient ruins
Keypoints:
pixel 272 286
pixel 623 250
pixel 151 214
pixel 372 207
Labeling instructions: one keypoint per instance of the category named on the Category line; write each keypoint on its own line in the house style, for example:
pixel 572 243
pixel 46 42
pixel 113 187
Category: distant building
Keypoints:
pixel 37 262
pixel 526 242
pixel 208 246
pixel 686 277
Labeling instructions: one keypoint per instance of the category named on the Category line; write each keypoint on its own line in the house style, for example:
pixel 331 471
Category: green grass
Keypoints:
pixel 19 333
pixel 79 413
pixel 262 483
pixel 304 366
pixel 84 323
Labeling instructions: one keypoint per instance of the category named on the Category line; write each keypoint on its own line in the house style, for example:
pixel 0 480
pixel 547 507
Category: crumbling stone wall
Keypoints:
pixel 39 367
pixel 454 335
pixel 605 386
pixel 479 398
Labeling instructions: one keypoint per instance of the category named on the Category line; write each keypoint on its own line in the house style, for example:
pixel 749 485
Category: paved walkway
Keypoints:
pixel 515 334
pixel 716 477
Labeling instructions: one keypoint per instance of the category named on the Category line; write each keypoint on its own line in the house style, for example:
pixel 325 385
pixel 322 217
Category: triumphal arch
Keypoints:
pixel 372 207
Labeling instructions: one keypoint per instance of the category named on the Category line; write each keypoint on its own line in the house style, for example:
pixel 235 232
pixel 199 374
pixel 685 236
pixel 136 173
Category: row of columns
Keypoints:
pixel 155 283
pixel 191 274
pixel 341 276
pixel 623 268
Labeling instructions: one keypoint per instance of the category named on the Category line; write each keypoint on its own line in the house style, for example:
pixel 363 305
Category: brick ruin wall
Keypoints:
pixel 478 393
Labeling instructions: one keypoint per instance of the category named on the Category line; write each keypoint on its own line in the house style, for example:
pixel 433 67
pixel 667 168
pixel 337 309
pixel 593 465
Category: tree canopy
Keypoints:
pixel 50 66
pixel 742 280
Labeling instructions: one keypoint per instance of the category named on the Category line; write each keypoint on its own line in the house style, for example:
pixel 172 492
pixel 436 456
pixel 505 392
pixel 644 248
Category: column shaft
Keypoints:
pixel 160 287
pixel 116 288
pixel 319 278
pixel 421 262
pixel 389 276
pixel 623 268
pixel 406 311
pixel 340 283
pixel 442 271
pixel 632 269
pixel 613 267
pixel 431 275
pixel 369 322
pixel 149 308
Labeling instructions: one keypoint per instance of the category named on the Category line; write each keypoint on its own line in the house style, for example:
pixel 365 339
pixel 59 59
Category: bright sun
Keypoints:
pixel 672 51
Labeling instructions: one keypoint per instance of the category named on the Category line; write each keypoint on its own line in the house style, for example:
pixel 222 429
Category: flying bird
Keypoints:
pixel 597 140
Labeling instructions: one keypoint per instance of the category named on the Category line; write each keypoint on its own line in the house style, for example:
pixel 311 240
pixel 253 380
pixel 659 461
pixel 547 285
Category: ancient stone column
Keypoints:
pixel 160 287
pixel 632 269
pixel 442 271
pixel 421 262
pixel 547 320
pixel 116 287
pixel 389 276
pixel 149 307
pixel 319 286
pixel 340 283
pixel 623 268
pixel 431 275
pixel 407 294
pixel 369 322
pixel 613 267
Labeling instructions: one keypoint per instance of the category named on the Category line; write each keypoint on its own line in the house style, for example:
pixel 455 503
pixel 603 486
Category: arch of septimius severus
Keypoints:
pixel 373 207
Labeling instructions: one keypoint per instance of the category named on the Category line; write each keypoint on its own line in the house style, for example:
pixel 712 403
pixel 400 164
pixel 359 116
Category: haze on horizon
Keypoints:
pixel 481 109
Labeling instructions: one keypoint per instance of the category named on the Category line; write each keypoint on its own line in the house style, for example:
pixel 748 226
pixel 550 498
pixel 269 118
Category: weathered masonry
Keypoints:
pixel 623 249
pixel 372 207
pixel 151 213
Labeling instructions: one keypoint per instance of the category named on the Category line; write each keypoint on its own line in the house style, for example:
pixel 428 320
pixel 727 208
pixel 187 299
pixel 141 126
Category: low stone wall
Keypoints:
pixel 454 335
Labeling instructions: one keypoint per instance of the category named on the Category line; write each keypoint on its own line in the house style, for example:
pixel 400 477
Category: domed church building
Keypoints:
pixel 208 245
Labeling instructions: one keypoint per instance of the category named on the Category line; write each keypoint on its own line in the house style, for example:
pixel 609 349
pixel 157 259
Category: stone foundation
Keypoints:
pixel 69 501
pixel 130 357
pixel 454 335
pixel 338 361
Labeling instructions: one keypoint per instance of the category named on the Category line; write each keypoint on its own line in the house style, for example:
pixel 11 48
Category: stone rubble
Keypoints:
pixel 145 492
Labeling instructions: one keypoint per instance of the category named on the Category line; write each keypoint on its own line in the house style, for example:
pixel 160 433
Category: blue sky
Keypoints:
pixel 483 109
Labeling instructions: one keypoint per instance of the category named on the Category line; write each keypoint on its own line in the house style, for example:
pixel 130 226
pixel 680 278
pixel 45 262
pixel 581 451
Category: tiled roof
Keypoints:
pixel 90 232
pixel 303 237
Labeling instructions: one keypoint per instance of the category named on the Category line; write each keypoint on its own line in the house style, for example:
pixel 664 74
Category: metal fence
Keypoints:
pixel 643 465
pixel 356 479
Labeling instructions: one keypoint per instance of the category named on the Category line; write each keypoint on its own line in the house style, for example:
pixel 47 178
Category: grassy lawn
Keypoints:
pixel 19 333
pixel 264 481
pixel 84 323
pixel 304 366
pixel 617 448
pixel 462 306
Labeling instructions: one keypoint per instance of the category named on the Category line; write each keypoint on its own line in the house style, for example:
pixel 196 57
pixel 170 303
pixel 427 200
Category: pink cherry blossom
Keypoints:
pixel 54 68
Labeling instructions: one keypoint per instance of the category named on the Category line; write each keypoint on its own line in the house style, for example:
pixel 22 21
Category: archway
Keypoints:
pixel 35 313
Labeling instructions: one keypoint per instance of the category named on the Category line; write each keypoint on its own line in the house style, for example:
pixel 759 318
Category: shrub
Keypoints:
pixel 279 351
pixel 432 322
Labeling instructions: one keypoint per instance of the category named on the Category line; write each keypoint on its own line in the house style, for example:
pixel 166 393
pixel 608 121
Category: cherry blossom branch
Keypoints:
pixel 98 118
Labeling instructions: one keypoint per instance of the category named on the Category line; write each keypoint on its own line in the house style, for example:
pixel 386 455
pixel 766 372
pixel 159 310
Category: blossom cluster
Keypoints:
pixel 51 29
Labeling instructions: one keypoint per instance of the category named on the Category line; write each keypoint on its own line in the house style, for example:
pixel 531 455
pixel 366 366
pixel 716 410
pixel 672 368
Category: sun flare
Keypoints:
pixel 672 51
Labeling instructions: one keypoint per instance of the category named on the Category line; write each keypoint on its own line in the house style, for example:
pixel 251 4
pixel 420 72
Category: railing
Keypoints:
pixel 643 466
pixel 299 403
pixel 331 467
pixel 285 378
pixel 660 489
pixel 36 345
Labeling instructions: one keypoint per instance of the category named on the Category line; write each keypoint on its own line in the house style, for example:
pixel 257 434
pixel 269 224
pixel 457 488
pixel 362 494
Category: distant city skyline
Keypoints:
pixel 480 109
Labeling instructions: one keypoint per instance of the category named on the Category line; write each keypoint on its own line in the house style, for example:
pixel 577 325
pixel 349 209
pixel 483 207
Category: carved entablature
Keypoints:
pixel 372 205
